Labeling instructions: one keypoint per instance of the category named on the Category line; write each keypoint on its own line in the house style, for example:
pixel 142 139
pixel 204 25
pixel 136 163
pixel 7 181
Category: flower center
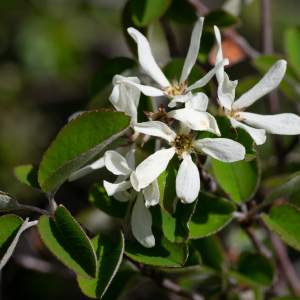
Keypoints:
pixel 233 113
pixel 176 89
pixel 183 143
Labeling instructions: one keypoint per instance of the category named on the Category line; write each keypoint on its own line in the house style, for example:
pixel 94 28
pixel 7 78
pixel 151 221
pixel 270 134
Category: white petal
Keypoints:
pixel 226 91
pixel 87 169
pixel 128 105
pixel 181 99
pixel 258 135
pixel 193 50
pixel 114 98
pixel 151 193
pixel 141 223
pixel 156 128
pixel 134 181
pixel 146 90
pixel 224 150
pixel 187 180
pixel 197 120
pixel 130 158
pixel 75 115
pixel 268 83
pixel 219 54
pixel 122 196
pixel 112 188
pixel 204 80
pixel 152 167
pixel 146 58
pixel 288 124
pixel 198 102
pixel 116 163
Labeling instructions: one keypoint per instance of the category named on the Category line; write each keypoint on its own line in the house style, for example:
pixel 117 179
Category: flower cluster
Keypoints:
pixel 181 141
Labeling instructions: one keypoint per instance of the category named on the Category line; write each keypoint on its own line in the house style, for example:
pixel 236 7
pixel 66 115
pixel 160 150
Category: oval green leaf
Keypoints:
pixel 254 270
pixel 167 185
pixel 109 205
pixel 28 174
pixel 7 202
pixel 284 221
pixel 182 12
pixel 239 180
pixel 175 227
pixel 174 68
pixel 221 19
pixel 211 215
pixel 78 142
pixel 11 227
pixel 68 242
pixel 163 254
pixel 146 11
pixel 109 257
pixel 289 186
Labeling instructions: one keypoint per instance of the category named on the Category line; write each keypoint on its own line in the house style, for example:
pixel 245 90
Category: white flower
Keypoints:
pixel 141 218
pixel 183 144
pixel 177 92
pixel 278 124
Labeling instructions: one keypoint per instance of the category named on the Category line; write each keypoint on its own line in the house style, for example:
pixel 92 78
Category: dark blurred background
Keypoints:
pixel 49 51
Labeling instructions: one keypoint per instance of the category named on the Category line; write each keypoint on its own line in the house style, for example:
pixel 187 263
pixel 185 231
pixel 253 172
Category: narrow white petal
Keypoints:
pixel 146 90
pixel 288 124
pixel 141 223
pixel 114 98
pixel 112 188
pixel 219 54
pixel 152 167
pixel 187 180
pixel 258 135
pixel 151 193
pixel 146 58
pixel 116 163
pixel 181 99
pixel 197 120
pixel 156 128
pixel 224 150
pixel 204 80
pixel 128 105
pixel 134 181
pixel 193 50
pixel 198 102
pixel 98 164
pixel 226 91
pixel 122 196
pixel 268 83
pixel 130 158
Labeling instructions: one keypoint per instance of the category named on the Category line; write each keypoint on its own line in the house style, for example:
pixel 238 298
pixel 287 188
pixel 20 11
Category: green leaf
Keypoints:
pixel 211 252
pixel 175 227
pixel 211 215
pixel 290 83
pixel 220 19
pixel 7 202
pixel 182 12
pixel 284 222
pixel 228 132
pixel 289 186
pixel 292 41
pixel 123 283
pixel 163 254
pixel 109 256
pixel 28 174
pixel 126 23
pixel 109 205
pixel 68 242
pixel 107 70
pixel 146 11
pixel 167 185
pixel 11 227
pixel 254 270
pixel 239 180
pixel 78 142
pixel 174 68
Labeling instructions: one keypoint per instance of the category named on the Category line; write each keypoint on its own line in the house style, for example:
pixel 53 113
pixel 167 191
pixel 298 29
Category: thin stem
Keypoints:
pixel 170 37
pixel 286 266
pixel 39 210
